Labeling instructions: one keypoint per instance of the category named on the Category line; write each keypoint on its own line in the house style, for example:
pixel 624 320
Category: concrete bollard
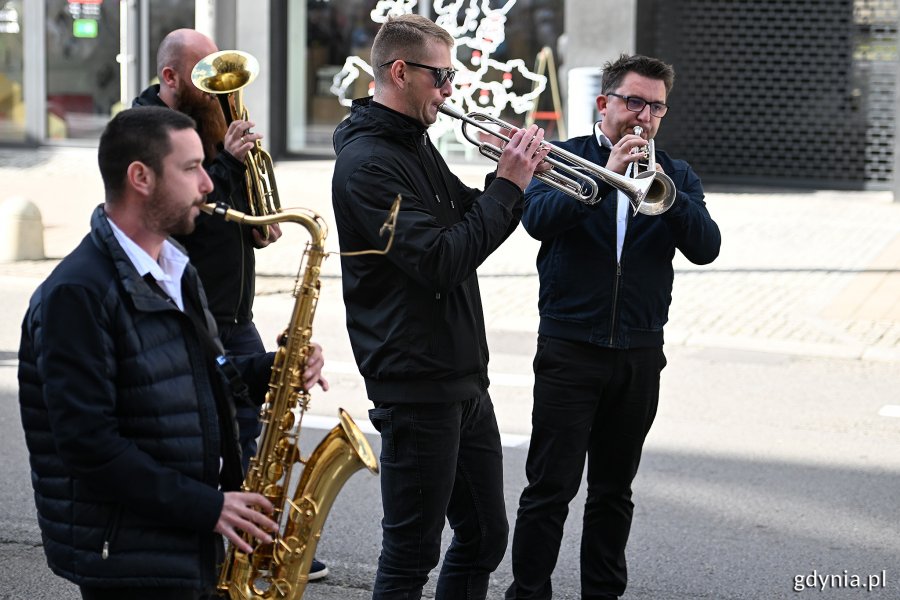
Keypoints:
pixel 23 231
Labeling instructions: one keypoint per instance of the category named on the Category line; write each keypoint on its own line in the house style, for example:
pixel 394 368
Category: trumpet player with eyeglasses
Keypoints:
pixel 223 252
pixel 605 287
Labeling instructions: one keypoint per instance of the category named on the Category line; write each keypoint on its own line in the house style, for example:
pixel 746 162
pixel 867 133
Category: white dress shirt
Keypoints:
pixel 622 202
pixel 167 272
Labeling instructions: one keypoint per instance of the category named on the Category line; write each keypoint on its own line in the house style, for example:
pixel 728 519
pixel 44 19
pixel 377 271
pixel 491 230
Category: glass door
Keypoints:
pixel 99 55
pixel 12 56
pixel 82 44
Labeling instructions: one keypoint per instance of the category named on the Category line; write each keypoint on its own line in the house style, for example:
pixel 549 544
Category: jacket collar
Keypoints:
pixel 150 97
pixel 142 294
pixel 387 117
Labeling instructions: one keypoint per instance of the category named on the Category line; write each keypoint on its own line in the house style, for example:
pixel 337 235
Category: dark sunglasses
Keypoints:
pixel 441 75
pixel 636 104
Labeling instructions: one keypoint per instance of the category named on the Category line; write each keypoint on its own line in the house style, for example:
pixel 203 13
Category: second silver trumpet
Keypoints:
pixel 651 192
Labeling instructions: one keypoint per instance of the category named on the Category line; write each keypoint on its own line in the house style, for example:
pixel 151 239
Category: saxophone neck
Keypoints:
pixel 310 220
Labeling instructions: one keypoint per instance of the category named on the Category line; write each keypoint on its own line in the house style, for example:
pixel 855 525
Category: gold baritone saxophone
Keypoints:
pixel 280 570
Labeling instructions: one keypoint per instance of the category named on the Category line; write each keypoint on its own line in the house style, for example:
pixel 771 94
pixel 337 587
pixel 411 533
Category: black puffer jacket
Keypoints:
pixel 414 316
pixel 586 294
pixel 121 423
pixel 221 251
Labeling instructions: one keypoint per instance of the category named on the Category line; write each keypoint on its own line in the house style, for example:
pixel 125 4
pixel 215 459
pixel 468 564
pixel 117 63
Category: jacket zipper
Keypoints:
pixel 111 529
pixel 612 327
pixel 615 303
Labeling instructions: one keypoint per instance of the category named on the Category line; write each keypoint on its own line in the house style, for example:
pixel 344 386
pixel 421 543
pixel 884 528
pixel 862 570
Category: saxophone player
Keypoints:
pixel 128 423
pixel 224 253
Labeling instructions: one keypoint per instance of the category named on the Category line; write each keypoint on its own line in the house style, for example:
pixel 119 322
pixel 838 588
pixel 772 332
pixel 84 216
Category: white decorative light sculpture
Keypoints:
pixel 482 83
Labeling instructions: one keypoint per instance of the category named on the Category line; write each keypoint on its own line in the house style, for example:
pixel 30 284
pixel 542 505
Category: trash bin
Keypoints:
pixel 584 87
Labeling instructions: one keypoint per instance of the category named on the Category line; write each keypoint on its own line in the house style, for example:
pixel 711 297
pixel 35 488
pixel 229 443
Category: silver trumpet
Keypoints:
pixel 661 195
pixel 570 174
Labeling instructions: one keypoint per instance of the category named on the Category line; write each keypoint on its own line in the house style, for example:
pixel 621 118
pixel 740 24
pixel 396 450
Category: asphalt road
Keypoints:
pixel 760 469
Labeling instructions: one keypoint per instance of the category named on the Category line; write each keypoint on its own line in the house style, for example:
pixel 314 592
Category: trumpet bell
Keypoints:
pixel 660 195
pixel 225 72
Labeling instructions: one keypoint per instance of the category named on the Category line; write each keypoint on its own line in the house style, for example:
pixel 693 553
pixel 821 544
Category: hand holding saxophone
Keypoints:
pixel 246 512
pixel 523 155
pixel 239 139
pixel 313 373
pixel 261 240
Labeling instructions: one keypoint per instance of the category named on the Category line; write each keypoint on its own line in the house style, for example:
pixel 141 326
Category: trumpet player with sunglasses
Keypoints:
pixel 415 317
pixel 605 287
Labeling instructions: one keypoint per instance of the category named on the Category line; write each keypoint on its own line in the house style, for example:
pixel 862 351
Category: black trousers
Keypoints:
pixel 589 402
pixel 440 463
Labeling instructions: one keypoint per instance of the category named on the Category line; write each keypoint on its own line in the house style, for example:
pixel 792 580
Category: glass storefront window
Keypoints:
pixel 165 16
pixel 12 104
pixel 323 34
pixel 83 75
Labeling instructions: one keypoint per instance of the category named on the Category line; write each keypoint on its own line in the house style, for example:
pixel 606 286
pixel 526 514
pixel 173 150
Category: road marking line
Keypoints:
pixel 507 440
pixel 890 410
pixel 497 379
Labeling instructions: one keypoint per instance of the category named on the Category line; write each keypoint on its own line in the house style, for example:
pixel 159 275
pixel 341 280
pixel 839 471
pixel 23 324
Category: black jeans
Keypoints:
pixel 588 401
pixel 440 461
pixel 239 340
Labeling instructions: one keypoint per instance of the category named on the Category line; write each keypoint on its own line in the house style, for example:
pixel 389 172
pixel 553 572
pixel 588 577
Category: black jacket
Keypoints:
pixel 221 251
pixel 585 294
pixel 122 424
pixel 414 316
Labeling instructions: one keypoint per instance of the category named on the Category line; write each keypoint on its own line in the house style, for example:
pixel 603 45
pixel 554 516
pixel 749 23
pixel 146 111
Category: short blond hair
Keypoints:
pixel 405 37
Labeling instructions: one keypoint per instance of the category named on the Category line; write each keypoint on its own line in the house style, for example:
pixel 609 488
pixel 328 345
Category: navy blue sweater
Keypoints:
pixel 586 295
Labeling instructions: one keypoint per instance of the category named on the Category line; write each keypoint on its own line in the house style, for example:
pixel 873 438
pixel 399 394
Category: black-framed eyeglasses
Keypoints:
pixel 441 75
pixel 637 104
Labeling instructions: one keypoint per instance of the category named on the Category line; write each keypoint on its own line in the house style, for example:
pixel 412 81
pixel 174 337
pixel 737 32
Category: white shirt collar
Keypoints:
pixel 601 137
pixel 167 272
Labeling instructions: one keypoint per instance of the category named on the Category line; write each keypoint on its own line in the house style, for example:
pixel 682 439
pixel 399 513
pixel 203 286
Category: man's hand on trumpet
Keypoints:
pixel 239 139
pixel 631 148
pixel 523 156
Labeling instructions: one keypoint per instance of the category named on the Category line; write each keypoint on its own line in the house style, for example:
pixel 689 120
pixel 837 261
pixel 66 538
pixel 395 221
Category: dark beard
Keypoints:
pixel 210 123
pixel 164 217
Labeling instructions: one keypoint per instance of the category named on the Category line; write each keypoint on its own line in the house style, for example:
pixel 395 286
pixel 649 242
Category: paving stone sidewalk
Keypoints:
pixel 812 273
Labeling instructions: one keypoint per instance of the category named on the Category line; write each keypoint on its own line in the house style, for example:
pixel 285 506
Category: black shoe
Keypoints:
pixel 318 570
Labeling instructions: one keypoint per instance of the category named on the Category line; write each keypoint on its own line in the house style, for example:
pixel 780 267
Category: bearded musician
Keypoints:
pixel 221 251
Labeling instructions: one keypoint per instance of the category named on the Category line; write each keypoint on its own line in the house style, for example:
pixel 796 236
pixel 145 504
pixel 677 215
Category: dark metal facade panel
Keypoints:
pixel 786 93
